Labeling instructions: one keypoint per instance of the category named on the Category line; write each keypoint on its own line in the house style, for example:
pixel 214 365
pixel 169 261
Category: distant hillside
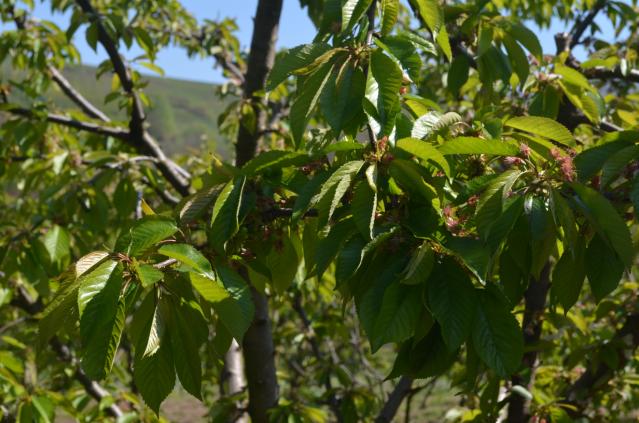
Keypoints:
pixel 183 116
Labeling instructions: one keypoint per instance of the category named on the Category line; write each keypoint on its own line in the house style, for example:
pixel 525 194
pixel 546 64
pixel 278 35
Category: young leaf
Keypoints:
pixel 148 274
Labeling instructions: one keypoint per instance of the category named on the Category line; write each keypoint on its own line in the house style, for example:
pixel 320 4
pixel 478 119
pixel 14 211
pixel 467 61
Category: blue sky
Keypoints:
pixel 295 28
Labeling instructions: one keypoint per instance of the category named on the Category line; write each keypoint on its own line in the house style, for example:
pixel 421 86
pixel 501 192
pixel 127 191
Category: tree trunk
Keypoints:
pixel 234 374
pixel 259 353
pixel 535 303
pixel 260 62
pixel 259 359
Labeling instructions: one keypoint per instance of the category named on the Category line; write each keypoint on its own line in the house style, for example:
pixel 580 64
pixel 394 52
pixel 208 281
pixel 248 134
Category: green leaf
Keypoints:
pixel 306 195
pixel 430 12
pixel 334 188
pixel 408 177
pixel 148 231
pixel 452 300
pixel 424 151
pixel 420 265
pixel 518 59
pixel 616 163
pixel 363 208
pixel 153 370
pixel 181 320
pixel 198 203
pixel 497 337
pixel 443 42
pixel 148 274
pixel 398 315
pixel 274 159
pixel 190 257
pixel 544 127
pixel 308 95
pixel 568 277
pixel 352 12
pixel 472 145
pixel 328 246
pixel 61 310
pixel 605 219
pixel 526 37
pixel 590 161
pixel 225 218
pixel 56 241
pixel 283 262
pixel 294 59
pixel 458 73
pixel 390 11
pixel 389 78
pixel 91 283
pixel 573 77
pixel 341 100
pixel 102 318
pixel 603 268
pixel 236 312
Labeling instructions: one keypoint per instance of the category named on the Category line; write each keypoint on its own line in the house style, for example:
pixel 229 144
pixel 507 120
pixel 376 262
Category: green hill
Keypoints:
pixel 183 116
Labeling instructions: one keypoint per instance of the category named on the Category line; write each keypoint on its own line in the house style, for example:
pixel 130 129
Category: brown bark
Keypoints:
pixel 260 62
pixel 402 389
pixel 259 352
pixel 535 303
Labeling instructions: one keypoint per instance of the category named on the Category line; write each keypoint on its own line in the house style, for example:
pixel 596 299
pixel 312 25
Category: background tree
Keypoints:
pixel 416 201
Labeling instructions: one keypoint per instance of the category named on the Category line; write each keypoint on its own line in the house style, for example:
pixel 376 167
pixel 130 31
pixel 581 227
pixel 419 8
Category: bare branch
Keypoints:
pixel 68 89
pixel 139 136
pixel 24 301
pixel 109 131
pixel 401 390
pixel 583 23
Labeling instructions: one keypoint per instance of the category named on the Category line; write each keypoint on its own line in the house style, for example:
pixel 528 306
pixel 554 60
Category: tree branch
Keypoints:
pixel 583 23
pixel 535 304
pixel 24 302
pixel 109 131
pixel 401 390
pixel 85 105
pixel 260 62
pixel 139 136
